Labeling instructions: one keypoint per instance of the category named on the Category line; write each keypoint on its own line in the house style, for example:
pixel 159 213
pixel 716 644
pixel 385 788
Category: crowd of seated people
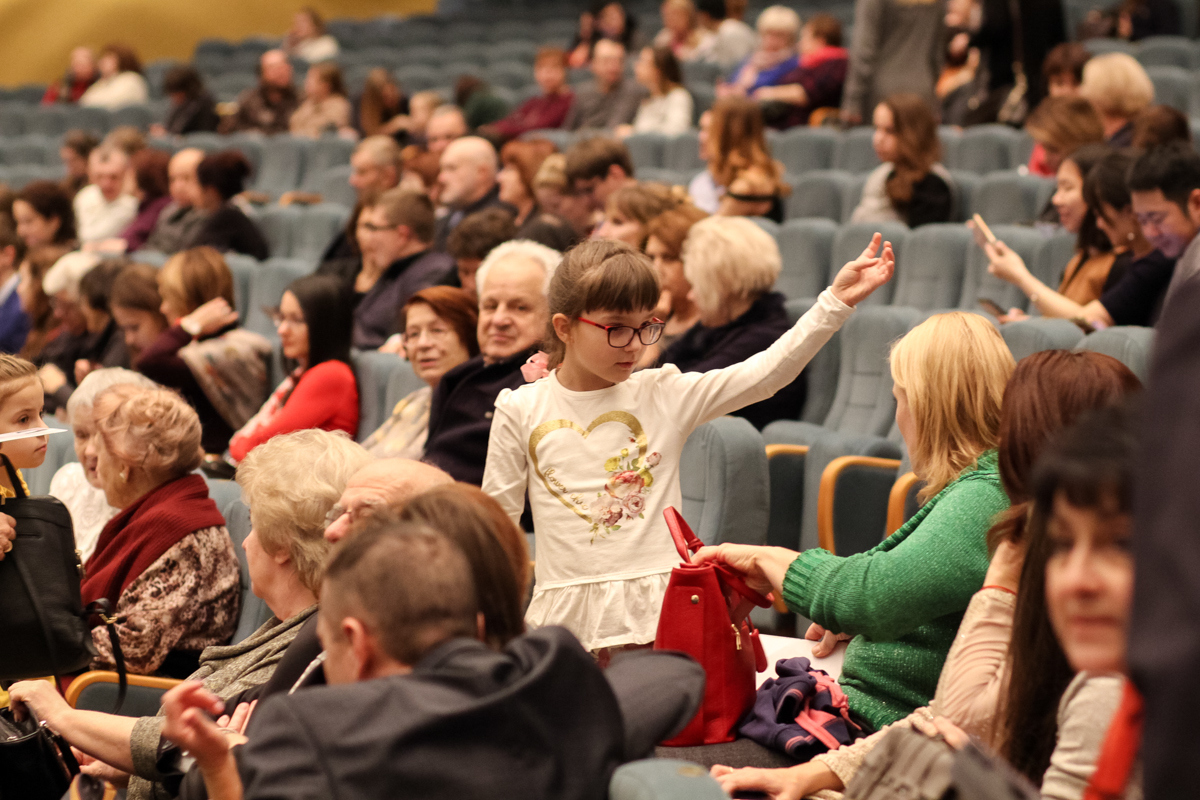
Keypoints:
pixel 538 293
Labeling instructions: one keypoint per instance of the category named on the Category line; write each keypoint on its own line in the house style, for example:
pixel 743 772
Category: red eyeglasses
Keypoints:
pixel 622 335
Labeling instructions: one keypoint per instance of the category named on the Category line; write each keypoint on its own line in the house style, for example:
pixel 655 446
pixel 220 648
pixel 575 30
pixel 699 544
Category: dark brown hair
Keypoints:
pixel 191 278
pixel 1066 58
pixel 127 60
pixel 455 307
pixel 136 287
pixel 670 74
pixel 225 171
pixel 40 260
pixel 917 145
pixel 827 28
pixel 50 202
pixel 1155 126
pixel 150 171
pixel 671 227
pixel 331 74
pixel 480 233
pixel 592 158
pixel 596 275
pixel 738 140
pixel 1090 239
pixel 409 208
pixel 1065 123
pixel 1047 392
pixel 421 163
pixel 371 111
pixel 81 141
pixel 95 286
pixel 494 546
pixel 527 157
pixel 183 79
pixel 642 202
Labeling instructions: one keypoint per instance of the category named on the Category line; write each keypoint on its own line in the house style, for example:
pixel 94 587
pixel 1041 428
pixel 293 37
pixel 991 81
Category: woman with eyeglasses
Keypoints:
pixel 438 330
pixel 313 322
pixel 731 265
pixel 217 366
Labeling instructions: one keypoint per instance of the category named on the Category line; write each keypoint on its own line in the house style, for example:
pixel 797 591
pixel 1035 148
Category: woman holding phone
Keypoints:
pixel 1133 291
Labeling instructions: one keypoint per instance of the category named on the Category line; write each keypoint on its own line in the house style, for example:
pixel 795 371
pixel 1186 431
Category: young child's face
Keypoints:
pixel 20 411
pixel 589 345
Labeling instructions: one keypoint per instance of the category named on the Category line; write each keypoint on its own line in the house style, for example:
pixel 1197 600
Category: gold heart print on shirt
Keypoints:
pixel 629 475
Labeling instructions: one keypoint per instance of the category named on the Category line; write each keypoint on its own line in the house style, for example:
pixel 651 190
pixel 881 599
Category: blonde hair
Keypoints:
pixel 552 174
pixel 953 368
pixel 728 258
pixel 1117 85
pixel 290 484
pixel 780 19
pixel 152 429
pixel 15 373
pixel 191 278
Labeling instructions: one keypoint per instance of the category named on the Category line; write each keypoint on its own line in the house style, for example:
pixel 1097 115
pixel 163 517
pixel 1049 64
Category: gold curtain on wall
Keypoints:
pixel 36 36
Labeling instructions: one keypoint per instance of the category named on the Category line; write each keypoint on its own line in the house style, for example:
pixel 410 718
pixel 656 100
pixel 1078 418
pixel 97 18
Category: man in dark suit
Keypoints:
pixel 418 707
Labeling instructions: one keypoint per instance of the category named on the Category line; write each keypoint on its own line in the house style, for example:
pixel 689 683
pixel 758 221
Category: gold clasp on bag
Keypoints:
pixel 737 635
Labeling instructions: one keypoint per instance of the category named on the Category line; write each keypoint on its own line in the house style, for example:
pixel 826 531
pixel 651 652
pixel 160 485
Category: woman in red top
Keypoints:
pixel 314 323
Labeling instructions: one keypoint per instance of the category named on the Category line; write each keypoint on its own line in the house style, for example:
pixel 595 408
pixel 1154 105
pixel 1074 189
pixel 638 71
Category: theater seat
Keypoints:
pixel 282 165
pixel 97 691
pixel 663 779
pixel 324 153
pixel 1129 344
pixel 1172 86
pixel 723 475
pixel 854 150
pixel 862 407
pixel 1031 336
pixel 978 283
pixel 374 370
pixel 849 243
pixel 648 150
pixel 252 612
pixel 985 148
pixel 852 502
pixel 277 224
pixel 1011 198
pixel 268 282
pixel 1167 51
pixel 821 372
pixel 932 272
pixel 60 450
pixel 818 194
pixel 806 246
pixel 805 149
pixel 334 187
pixel 682 152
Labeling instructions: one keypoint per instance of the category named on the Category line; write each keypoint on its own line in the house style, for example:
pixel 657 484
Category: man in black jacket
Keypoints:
pixel 513 315
pixel 418 707
pixel 467 177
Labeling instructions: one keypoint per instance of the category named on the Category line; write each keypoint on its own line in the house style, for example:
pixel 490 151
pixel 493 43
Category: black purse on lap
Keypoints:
pixel 35 762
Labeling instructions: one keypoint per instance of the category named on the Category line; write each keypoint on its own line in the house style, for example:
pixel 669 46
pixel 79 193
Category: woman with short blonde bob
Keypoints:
pixel 901 602
pixel 290 484
pixel 1118 86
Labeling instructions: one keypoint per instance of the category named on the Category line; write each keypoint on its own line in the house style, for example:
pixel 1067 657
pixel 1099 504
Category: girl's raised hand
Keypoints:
pixel 855 281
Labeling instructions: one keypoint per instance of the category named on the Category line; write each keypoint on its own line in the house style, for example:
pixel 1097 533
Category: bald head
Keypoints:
pixel 275 69
pixel 388 482
pixel 468 171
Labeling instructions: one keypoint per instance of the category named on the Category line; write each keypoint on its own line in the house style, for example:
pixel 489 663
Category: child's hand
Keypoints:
pixel 52 378
pixel 855 282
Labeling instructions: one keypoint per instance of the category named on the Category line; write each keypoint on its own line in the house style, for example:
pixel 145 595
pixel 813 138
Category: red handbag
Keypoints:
pixel 704 614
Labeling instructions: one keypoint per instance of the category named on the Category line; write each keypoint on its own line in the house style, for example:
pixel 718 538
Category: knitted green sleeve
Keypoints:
pixel 908 580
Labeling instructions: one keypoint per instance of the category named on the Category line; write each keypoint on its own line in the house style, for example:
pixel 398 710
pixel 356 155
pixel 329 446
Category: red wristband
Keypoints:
pixel 1001 588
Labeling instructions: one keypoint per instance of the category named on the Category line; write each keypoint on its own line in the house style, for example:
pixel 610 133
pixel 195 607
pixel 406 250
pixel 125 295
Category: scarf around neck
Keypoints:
pixel 143 531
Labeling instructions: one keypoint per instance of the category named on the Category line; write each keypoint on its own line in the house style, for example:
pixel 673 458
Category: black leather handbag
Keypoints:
pixel 35 762
pixel 44 625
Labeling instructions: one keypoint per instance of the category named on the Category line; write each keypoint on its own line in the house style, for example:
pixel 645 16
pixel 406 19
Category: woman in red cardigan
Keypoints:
pixel 314 324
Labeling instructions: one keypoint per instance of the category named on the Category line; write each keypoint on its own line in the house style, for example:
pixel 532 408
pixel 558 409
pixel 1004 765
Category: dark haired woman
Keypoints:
pixel 151 184
pixel 44 215
pixel 314 323
pixel 325 108
pixel 192 107
pixel 1136 282
pixel 668 109
pixel 222 176
pixel 120 83
pixel 604 19
pixel 910 185
pixel 1005 678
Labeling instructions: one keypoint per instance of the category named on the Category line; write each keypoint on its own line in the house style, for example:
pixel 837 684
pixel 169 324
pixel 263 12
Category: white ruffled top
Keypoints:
pixel 600 468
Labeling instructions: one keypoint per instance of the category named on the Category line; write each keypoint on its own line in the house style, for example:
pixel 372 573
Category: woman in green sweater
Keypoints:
pixel 901 602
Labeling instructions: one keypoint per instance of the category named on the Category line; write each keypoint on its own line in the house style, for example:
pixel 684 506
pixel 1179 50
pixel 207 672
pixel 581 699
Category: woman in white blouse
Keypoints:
pixel 307 38
pixel 76 484
pixel 120 83
pixel 668 109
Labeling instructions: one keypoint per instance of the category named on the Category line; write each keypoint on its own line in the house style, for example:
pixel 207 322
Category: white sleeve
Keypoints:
pixel 505 474
pixel 678 112
pixel 703 396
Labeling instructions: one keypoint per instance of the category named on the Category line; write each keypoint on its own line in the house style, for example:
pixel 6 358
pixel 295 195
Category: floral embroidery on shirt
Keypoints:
pixel 624 495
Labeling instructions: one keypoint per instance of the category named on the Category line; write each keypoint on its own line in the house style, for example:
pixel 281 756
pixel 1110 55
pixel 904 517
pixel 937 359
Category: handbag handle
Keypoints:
pixel 686 542
pixel 13 477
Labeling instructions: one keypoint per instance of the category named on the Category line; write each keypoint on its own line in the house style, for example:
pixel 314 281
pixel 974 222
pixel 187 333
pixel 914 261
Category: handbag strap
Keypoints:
pixel 686 542
pixel 103 609
pixel 13 477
